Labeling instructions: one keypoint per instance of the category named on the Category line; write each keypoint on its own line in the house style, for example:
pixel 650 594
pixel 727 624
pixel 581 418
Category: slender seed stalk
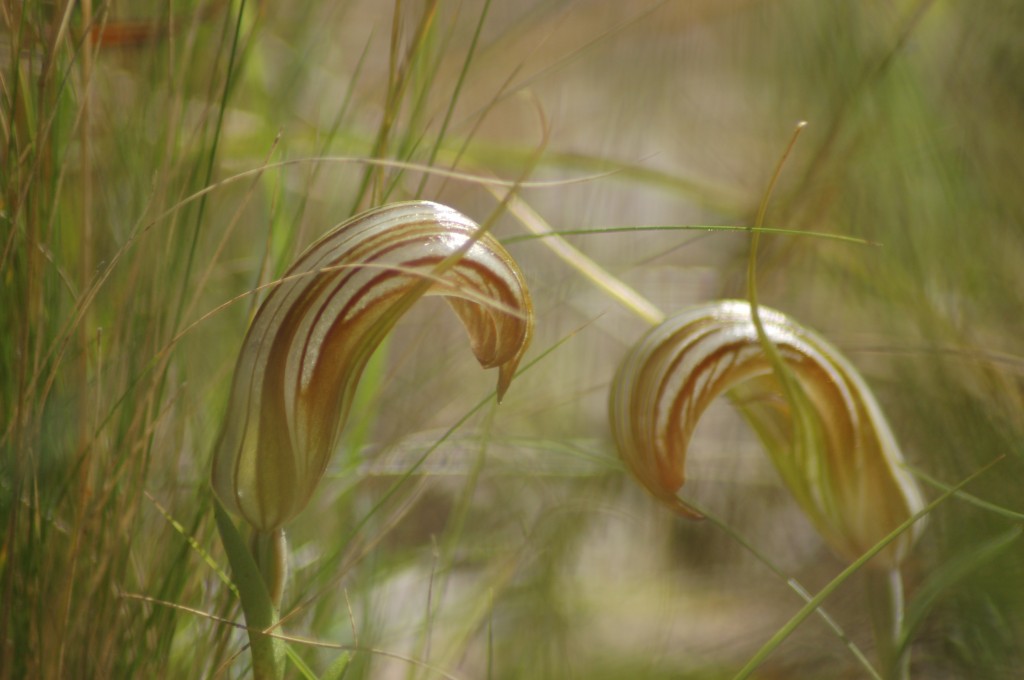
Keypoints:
pixel 885 589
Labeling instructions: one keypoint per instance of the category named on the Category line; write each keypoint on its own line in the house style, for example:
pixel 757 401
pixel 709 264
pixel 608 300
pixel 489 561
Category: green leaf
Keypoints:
pixel 299 664
pixel 260 615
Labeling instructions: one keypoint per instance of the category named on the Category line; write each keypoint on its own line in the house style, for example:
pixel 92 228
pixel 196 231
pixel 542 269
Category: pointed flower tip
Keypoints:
pixel 839 458
pixel 309 341
pixel 507 370
pixel 505 373
pixel 683 509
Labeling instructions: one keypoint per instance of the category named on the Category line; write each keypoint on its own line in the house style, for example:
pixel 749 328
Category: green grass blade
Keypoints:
pixel 268 653
pixel 455 95
pixel 784 632
pixel 947 575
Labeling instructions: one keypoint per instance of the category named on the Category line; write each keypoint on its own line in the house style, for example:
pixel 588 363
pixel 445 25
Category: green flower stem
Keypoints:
pixel 885 599
pixel 268 652
pixel 270 550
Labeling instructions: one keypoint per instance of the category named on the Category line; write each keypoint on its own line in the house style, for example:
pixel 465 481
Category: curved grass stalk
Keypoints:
pixel 885 582
pixel 685 227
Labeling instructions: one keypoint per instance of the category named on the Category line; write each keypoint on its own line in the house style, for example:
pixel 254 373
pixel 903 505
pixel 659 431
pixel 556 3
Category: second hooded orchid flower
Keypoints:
pixel 816 417
pixel 825 432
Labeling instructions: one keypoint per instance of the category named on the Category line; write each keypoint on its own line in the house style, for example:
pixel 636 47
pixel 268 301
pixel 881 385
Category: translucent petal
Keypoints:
pixel 311 338
pixel 829 440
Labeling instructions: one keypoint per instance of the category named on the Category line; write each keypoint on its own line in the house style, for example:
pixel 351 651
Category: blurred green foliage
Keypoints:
pixel 521 549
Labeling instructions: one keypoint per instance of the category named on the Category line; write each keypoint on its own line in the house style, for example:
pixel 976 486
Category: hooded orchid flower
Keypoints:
pixel 311 338
pixel 825 432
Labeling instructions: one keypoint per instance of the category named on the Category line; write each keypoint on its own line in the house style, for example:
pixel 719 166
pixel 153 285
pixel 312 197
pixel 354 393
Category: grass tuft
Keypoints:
pixel 162 164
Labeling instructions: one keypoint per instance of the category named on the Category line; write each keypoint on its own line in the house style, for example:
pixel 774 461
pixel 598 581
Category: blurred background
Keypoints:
pixel 162 159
